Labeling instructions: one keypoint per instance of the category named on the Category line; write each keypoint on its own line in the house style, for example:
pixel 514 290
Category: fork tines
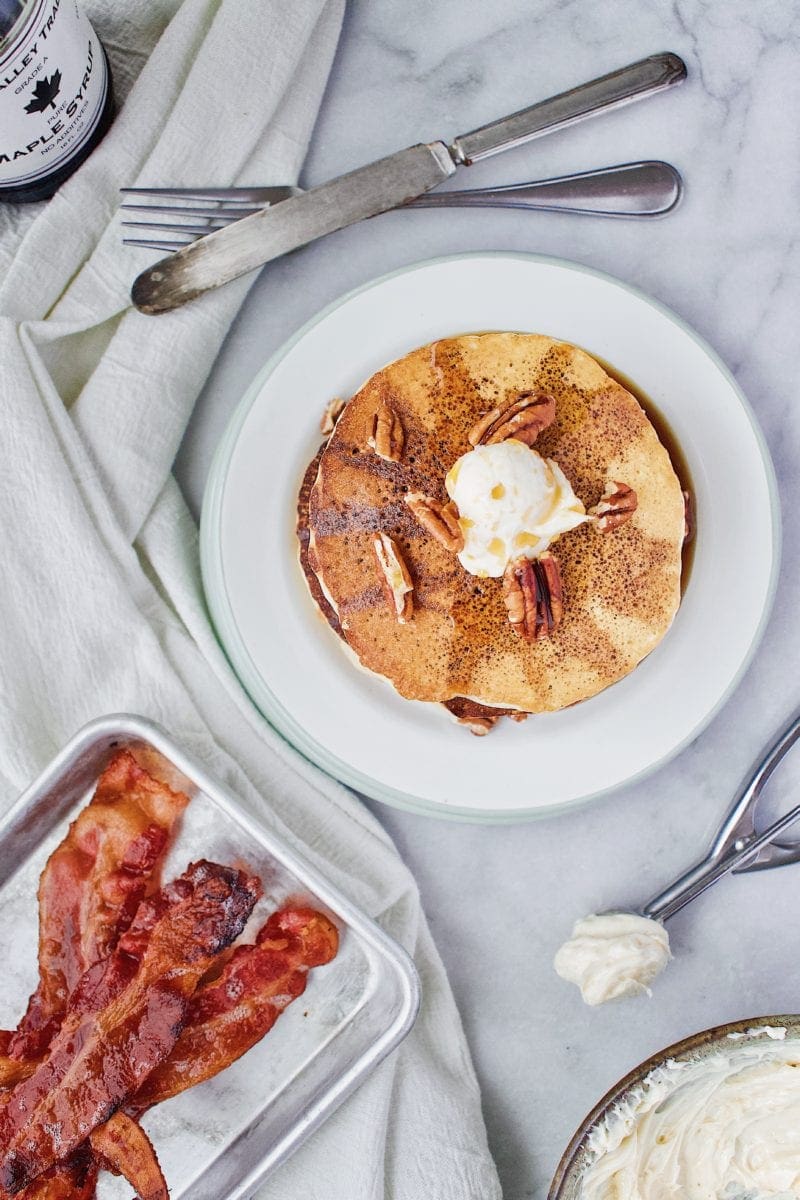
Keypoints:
pixel 213 207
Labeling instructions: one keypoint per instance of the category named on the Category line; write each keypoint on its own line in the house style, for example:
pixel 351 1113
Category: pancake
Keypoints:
pixel 621 590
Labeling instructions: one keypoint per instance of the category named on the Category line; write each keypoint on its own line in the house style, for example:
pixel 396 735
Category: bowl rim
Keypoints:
pixel 573 1157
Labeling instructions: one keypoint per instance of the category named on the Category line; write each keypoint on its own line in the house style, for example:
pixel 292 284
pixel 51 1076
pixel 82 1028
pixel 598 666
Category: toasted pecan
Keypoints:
pixel 616 506
pixel 440 520
pixel 523 419
pixel 388 437
pixel 533 596
pixel 333 411
pixel 397 582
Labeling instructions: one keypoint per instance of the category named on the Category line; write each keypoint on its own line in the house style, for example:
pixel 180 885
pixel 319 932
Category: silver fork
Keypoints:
pixel 637 189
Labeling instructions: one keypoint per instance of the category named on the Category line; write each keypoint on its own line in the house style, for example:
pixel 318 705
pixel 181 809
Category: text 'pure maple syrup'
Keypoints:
pixel 56 98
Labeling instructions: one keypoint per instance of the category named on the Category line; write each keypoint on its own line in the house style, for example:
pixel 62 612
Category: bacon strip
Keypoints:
pixel 123 1147
pixel 14 1070
pixel 75 1179
pixel 124 1018
pixel 91 887
pixel 230 1014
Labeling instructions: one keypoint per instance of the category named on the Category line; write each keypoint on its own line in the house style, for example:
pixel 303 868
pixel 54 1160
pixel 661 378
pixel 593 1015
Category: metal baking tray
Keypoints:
pixel 219 1141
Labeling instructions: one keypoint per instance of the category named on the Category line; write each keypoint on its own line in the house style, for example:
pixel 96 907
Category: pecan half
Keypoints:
pixel 479 726
pixel 688 517
pixel 440 520
pixel 387 438
pixel 534 596
pixel 523 419
pixel 331 415
pixel 396 579
pixel 617 505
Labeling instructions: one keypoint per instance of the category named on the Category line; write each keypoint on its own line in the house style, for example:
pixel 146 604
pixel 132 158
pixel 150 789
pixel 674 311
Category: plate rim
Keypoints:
pixel 239 657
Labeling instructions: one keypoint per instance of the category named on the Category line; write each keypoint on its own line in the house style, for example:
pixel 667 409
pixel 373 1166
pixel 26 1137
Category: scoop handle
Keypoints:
pixel 737 846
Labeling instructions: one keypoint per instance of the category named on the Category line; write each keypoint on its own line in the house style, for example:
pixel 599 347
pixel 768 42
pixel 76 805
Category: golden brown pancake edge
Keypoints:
pixel 622 589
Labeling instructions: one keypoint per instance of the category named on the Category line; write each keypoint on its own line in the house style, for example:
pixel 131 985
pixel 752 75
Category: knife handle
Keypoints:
pixel 633 82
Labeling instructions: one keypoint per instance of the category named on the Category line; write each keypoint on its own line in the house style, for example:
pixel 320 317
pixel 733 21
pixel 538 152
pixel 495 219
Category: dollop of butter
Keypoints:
pixel 613 955
pixel 512 503
pixel 723 1127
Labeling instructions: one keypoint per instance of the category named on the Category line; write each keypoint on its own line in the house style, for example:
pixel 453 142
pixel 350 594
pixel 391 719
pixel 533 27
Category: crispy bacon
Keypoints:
pixel 124 1018
pixel 234 1011
pixel 75 1179
pixel 13 1070
pixel 91 887
pixel 138 997
pixel 123 1147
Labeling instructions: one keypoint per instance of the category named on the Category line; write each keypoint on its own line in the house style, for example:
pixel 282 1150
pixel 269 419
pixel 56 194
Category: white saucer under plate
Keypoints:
pixel 412 755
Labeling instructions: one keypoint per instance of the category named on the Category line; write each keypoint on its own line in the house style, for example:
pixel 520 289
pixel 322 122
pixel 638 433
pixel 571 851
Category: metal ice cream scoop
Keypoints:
pixel 738 846
pixel 620 953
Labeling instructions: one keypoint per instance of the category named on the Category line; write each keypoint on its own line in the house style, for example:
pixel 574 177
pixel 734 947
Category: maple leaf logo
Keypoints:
pixel 44 94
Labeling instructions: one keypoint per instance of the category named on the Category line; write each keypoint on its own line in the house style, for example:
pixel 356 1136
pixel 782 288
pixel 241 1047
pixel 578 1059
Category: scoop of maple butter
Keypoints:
pixel 512 503
pixel 613 955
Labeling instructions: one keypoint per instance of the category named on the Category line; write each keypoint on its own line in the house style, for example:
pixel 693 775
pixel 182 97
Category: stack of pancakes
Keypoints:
pixel 621 591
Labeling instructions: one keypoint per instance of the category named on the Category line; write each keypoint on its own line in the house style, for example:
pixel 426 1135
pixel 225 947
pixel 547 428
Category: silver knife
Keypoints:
pixel 388 183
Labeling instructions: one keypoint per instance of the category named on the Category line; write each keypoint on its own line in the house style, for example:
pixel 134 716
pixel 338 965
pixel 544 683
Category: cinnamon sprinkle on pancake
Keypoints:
pixel 621 589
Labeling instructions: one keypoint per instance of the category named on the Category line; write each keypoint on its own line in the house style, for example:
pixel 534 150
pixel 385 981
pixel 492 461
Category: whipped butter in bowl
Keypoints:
pixel 716 1117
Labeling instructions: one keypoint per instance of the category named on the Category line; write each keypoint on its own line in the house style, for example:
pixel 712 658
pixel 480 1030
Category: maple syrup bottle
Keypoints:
pixel 56 97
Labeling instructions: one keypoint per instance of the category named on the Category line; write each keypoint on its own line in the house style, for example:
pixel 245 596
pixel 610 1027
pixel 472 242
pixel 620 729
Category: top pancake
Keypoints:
pixel 621 589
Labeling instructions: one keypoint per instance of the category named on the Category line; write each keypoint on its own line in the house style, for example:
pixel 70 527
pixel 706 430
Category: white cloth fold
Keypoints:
pixel 101 607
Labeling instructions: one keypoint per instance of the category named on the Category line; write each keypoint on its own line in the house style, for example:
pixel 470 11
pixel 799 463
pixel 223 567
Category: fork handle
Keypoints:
pixel 639 189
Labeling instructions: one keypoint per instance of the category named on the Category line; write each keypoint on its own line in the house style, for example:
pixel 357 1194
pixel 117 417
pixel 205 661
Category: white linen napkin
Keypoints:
pixel 101 608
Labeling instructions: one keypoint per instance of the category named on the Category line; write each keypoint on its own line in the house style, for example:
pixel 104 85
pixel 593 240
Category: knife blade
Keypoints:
pixel 380 186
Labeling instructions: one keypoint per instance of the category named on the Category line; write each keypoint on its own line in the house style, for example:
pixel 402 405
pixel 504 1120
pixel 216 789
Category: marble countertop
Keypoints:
pixel 500 899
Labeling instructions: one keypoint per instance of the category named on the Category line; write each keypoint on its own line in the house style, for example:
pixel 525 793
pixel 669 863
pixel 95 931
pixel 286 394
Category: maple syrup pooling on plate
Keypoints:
pixel 56 97
pixel 668 440
pixel 673 448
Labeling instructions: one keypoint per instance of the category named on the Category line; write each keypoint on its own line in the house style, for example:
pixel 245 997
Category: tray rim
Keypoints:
pixel 257 687
pixel 393 955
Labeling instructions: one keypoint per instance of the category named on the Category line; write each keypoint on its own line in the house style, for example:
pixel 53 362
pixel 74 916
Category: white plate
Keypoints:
pixel 353 724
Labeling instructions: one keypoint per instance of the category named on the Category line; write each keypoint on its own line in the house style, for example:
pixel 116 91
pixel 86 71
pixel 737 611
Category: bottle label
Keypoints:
pixel 53 84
